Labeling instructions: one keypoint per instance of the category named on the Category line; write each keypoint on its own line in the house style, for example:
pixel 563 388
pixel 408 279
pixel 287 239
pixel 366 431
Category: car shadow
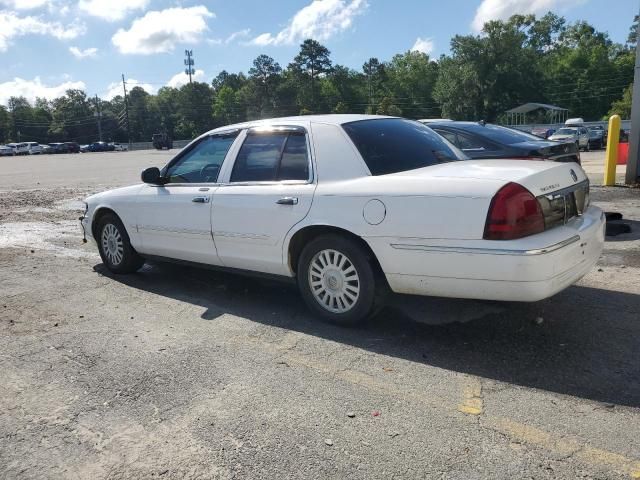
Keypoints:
pixel 622 230
pixel 583 342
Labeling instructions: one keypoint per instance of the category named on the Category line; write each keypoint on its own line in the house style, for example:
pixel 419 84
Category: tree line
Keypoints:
pixel 523 59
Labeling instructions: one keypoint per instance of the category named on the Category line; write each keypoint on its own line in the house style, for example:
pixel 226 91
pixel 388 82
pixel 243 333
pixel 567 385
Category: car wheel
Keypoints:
pixel 337 280
pixel 115 248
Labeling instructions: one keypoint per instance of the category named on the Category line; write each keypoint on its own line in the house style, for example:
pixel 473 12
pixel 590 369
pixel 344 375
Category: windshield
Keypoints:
pixel 566 131
pixel 391 145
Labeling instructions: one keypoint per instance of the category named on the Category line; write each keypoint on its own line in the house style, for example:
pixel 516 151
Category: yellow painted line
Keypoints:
pixel 565 446
pixel 472 404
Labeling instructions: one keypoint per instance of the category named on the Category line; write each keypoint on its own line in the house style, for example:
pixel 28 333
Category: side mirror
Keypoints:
pixel 152 176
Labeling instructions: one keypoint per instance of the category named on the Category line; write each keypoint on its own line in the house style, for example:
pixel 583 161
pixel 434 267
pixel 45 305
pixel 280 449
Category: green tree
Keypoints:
pixel 312 62
pixel 5 125
pixel 376 78
pixel 412 77
pixel 225 107
pixel 387 107
pixel 622 107
pixel 264 77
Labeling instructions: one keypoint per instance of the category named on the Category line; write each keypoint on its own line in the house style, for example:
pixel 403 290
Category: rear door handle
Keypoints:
pixel 288 201
pixel 200 199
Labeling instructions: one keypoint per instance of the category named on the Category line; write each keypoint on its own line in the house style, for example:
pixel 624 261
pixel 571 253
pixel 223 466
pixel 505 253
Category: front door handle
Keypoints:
pixel 288 201
pixel 200 199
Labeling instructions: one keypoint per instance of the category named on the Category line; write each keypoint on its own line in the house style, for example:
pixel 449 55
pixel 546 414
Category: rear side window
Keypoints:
pixel 391 145
pixel 272 156
pixel 497 133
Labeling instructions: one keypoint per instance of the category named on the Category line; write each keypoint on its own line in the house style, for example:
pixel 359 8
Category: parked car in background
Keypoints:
pixel 34 148
pixel 6 151
pixel 350 206
pixel 161 140
pixel 19 148
pixel 100 147
pixel 542 132
pixel 72 147
pixel 58 147
pixel 118 147
pixel 480 140
pixel 574 122
pixel 578 135
pixel 46 149
pixel 84 148
pixel 596 137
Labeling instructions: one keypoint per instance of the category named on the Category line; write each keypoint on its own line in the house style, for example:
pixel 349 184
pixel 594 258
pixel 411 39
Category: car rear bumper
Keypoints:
pixel 529 270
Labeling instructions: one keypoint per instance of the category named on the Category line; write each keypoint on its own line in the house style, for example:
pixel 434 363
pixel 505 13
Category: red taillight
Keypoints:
pixel 514 213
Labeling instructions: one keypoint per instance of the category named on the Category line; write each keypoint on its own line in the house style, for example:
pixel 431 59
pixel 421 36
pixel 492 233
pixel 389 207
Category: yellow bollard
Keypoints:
pixel 611 156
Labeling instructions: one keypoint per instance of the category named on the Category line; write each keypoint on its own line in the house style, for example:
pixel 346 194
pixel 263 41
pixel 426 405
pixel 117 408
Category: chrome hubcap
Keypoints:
pixel 112 244
pixel 334 281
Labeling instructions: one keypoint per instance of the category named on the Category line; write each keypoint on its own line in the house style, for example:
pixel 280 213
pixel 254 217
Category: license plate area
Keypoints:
pixel 561 206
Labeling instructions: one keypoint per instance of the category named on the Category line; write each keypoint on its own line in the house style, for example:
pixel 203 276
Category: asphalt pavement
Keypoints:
pixel 175 372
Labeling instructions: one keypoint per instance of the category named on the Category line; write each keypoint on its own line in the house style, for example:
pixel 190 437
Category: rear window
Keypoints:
pixel 391 145
pixel 503 135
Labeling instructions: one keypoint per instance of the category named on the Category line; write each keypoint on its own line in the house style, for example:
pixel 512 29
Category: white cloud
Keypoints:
pixel 114 89
pixel 111 10
pixel 23 4
pixel 423 45
pixel 503 9
pixel 34 88
pixel 180 79
pixel 12 26
pixel 239 34
pixel 319 20
pixel 160 31
pixel 86 53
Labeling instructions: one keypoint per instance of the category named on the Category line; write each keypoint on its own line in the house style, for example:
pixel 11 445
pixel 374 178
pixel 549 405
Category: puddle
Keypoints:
pixel 61 238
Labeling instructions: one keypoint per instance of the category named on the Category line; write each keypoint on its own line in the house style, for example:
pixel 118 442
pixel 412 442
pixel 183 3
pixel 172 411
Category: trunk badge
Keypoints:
pixel 574 175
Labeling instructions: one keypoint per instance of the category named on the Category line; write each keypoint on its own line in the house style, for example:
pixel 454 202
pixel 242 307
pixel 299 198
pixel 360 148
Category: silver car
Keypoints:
pixel 34 148
pixel 580 135
pixel 19 148
pixel 6 151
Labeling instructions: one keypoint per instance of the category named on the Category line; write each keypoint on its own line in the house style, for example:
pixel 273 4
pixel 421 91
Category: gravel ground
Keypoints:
pixel 182 373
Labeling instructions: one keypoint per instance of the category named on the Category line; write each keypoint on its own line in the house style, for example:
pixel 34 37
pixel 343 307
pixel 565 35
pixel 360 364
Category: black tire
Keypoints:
pixel 119 260
pixel 371 287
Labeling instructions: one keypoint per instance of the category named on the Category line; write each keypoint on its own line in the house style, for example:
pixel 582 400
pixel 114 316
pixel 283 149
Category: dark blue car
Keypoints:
pixel 479 140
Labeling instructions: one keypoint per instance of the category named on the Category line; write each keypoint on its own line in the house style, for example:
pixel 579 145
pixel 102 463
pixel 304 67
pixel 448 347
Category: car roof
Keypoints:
pixel 332 119
pixel 453 123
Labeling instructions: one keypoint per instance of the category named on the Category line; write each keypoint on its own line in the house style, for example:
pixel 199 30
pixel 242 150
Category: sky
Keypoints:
pixel 48 46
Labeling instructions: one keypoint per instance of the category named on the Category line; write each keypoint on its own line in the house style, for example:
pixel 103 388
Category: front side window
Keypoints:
pixel 391 145
pixel 271 157
pixel 202 163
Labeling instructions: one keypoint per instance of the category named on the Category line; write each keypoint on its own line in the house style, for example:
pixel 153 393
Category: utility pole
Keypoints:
pixel 126 110
pixel 189 63
pixel 98 114
pixel 633 161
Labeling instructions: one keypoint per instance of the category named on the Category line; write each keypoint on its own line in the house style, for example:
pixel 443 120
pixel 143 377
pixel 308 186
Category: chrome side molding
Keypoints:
pixel 487 251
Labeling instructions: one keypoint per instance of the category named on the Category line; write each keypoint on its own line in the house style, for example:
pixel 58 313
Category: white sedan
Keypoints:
pixel 352 207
